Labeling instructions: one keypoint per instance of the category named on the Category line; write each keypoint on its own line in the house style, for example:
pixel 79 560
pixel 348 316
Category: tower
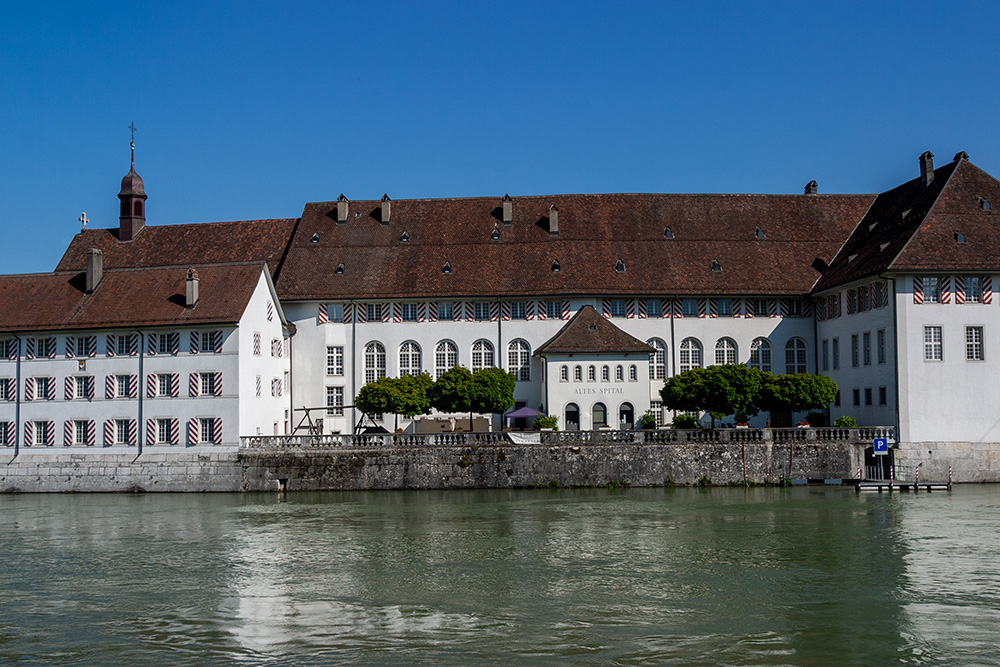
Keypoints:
pixel 133 201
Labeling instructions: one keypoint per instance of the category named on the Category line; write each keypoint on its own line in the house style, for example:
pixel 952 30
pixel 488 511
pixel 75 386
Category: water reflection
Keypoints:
pixel 720 576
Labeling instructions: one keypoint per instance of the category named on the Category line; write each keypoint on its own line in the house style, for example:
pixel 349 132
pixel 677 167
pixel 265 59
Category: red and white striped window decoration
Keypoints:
pixel 945 289
pixel 70 347
pixel 323 316
pixel 348 313
pixel 29 389
pixel 256 343
pixel 11 432
pixel 852 300
pixel 270 311
pixel 494 311
pixel 276 347
pixel 565 310
pixel 630 309
pixel 195 342
pixel 772 307
pixel 987 289
pixel 702 308
pixel 276 387
pixel 29 433
pixel 259 383
pixel 918 289
pixel 69 388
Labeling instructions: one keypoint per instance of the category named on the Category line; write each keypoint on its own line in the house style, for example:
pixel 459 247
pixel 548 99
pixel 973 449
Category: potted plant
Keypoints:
pixel 546 422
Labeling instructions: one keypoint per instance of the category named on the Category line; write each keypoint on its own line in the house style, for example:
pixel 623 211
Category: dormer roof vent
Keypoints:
pixel 716 267
pixel 553 220
pixel 926 169
pixel 340 269
pixel 758 232
pixel 555 266
pixel 315 238
pixel 342 203
pixel 668 233
pixel 405 237
pixel 620 266
pixel 495 235
pixel 811 188
pixel 386 209
pixel 95 269
pixel 447 268
pixel 508 210
pixel 191 289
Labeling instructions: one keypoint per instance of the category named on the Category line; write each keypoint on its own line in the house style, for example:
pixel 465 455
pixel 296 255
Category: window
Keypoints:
pixel 335 401
pixel 41 432
pixel 974 343
pixel 932 344
pixel 862 298
pixel 973 289
pixel 605 374
pixel 760 355
pixel 82 386
pixel 374 312
pixel 335 312
pixel 164 340
pixel 121 386
pixel 564 374
pixel 656 407
pixel 880 342
pixel 690 354
pixel 276 387
pixel 334 360
pixel 826 355
pixel 932 290
pixel 600 414
pixel 446 311
pixel 866 343
pixel 482 355
pixel 374 361
pixel 207 429
pixel 654 308
pixel 882 396
pixel 836 399
pixel 616 307
pixel 121 431
pixel 518 360
pixel 658 359
pixel 578 373
pixel 689 308
pixel 276 347
pixel 592 374
pixel 46 347
pixel 553 310
pixel 836 353
pixel 619 373
pixel 795 356
pixel 44 388
pixel 81 430
pixel 725 351
pixel 8 348
pixel 759 307
pixel 163 432
pixel 481 311
pixel 163 384
pixel 724 308
pixel 445 357
pixel 517 310
pixel 876 296
pixel 855 357
pixel 207 384
pixel 80 346
pixel 868 395
pixel 409 312
pixel 409 359
pixel 633 373
pixel 122 344
pixel 795 308
pixel 857 397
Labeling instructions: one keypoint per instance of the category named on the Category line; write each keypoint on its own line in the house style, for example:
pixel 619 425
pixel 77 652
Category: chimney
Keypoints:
pixel 95 269
pixel 191 291
pixel 926 169
pixel 960 155
pixel 811 188
pixel 386 209
pixel 553 220
pixel 508 210
pixel 341 209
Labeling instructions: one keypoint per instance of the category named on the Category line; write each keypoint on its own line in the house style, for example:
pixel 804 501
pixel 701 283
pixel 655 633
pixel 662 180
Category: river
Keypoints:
pixel 761 576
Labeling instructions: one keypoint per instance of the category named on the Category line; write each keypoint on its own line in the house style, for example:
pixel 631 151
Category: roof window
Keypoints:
pixel 495 235
pixel 984 204
pixel 960 237
pixel 447 269
pixel 620 266
pixel 405 237
pixel 716 266
pixel 668 233
pixel 850 258
pixel 758 232
pixel 555 266
pixel 315 238
pixel 339 270
pixel 883 247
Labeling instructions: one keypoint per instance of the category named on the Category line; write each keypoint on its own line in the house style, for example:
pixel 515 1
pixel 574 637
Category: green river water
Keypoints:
pixel 801 576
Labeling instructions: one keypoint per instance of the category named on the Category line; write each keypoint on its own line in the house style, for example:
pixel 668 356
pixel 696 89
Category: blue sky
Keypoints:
pixel 248 110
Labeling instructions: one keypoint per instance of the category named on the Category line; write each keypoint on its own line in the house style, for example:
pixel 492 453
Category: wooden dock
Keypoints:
pixel 886 485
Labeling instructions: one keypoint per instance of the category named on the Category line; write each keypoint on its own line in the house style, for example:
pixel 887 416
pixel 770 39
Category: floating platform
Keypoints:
pixel 901 486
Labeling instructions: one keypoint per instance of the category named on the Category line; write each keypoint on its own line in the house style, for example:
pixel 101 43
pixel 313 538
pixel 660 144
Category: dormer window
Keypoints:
pixel 340 269
pixel 716 266
pixel 555 266
pixel 405 237
pixel 668 233
pixel 984 204
pixel 758 232
pixel 495 235
pixel 850 258
pixel 959 237
pixel 620 266
pixel 315 238
pixel 447 269
pixel 883 247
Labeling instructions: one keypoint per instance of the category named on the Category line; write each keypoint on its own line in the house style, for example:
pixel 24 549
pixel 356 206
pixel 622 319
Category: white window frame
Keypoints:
pixel 206 430
pixel 163 431
pixel 410 358
pixel 163 382
pixel 445 311
pixel 374 361
pixel 974 350
pixel 80 432
pixel 519 360
pixel 518 310
pixel 335 401
pixel 445 357
pixel 933 343
pixel 761 355
pixel 691 354
pixel 483 355
pixel 121 431
pixel 553 310
pixel 335 360
pixel 658 359
pixel 726 351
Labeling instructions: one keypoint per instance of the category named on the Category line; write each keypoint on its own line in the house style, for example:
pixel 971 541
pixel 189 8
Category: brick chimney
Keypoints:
pixel 926 169
pixel 553 220
pixel 811 188
pixel 95 269
pixel 191 289
pixel 386 209
pixel 508 210
pixel 342 202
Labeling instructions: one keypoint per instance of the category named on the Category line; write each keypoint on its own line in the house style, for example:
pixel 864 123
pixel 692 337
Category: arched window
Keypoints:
pixel 725 351
pixel 137 208
pixel 564 374
pixel 519 360
pixel 374 361
pixel 690 354
pixel 592 373
pixel 578 373
pixel 600 413
pixel 572 419
pixel 633 373
pixel 482 355
pixel 619 373
pixel 605 374
pixel 445 357
pixel 409 359
pixel 760 355
pixel 795 356
pixel 657 360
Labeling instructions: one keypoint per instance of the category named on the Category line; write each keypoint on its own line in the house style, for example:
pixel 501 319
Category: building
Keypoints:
pixel 591 301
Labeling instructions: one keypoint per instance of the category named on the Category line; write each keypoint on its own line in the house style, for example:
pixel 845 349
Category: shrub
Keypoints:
pixel 648 420
pixel 685 421
pixel 546 421
pixel 845 421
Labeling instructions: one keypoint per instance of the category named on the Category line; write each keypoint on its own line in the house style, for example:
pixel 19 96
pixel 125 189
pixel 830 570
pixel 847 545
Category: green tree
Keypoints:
pixel 407 396
pixel 452 392
pixel 492 391
pixel 717 390
pixel 376 397
pixel 796 392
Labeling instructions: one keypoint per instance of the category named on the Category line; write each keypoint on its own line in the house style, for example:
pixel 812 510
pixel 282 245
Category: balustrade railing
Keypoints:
pixel 548 438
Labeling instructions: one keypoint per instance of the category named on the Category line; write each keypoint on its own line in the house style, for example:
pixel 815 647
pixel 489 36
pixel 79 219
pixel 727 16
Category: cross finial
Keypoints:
pixel 131 126
pixel 83 221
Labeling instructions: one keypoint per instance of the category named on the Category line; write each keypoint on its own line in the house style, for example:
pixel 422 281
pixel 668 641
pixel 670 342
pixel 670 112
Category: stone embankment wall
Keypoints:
pixel 969 461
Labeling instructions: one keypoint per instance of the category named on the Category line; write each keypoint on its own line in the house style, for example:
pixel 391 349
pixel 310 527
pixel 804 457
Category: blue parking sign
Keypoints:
pixel 881 446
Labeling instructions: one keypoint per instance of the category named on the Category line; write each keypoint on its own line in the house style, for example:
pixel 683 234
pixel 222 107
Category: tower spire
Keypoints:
pixel 131 126
pixel 133 200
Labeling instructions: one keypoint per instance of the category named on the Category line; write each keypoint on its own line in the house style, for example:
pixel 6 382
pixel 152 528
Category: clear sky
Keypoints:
pixel 248 110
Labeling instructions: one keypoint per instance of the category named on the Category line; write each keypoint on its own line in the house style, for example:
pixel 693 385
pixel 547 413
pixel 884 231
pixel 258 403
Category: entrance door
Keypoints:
pixel 600 413
pixel 572 417
pixel 626 416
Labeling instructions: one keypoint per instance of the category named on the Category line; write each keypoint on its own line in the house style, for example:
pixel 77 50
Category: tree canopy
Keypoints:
pixel 452 392
pixel 492 391
pixel 796 392
pixel 407 395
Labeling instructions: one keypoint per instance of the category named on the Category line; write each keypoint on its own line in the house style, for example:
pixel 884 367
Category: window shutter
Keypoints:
pixel 192 431
pixel 133 386
pixel 70 347
pixel 109 386
pixel 195 342
pixel 133 345
pixel 193 384
pixel 133 432
pixel 504 311
pixel 68 433
pixel 109 341
pixel 29 433
pixel 217 341
pixel 270 311
pixel 175 431
pixel 323 317
pixel 606 307
pixel 91 433
pixel 151 344
pixel 175 343
pixel 29 389
pixel 109 432
pixel 29 348
pixel 90 387
pixel 218 431
pixel 151 385
pixel 91 346
pixel 918 289
pixel 50 391
pixel 52 347
pixel 175 385
pixel 348 313
pixel 217 384
pixel 945 289
pixel 11 432
pixel 68 388
pixel 150 431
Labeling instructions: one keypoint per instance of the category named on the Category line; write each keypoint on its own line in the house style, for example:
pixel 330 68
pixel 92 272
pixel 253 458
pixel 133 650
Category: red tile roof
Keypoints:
pixel 185 245
pixel 126 298
pixel 589 331
pixel 595 231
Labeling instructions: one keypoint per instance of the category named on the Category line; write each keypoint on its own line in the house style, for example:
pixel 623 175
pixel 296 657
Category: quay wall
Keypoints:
pixel 968 461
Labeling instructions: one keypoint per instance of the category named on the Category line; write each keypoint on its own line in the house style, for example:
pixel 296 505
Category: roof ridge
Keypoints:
pixel 930 209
